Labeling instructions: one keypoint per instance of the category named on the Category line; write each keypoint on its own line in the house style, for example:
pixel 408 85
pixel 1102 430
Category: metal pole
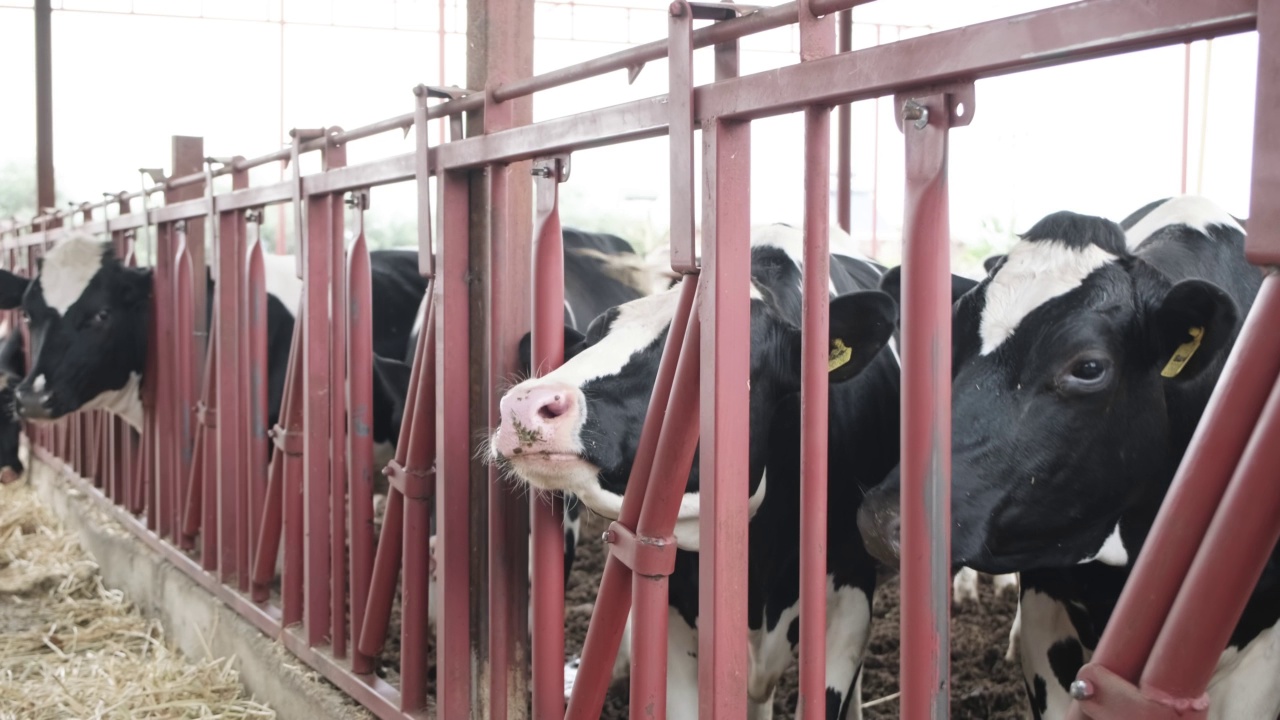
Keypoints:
pixel 44 106
pixel 726 329
pixel 844 138
pixel 817 40
pixel 926 404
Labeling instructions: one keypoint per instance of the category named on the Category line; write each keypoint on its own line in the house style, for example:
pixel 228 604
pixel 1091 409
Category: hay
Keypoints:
pixel 70 648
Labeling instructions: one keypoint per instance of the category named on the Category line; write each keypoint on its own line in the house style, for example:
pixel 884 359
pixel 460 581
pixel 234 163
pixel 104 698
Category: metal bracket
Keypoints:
pixel 412 484
pixel 206 416
pixel 289 443
pixel 1104 695
pixel 552 166
pixel 357 199
pixel 647 556
pixel 961 103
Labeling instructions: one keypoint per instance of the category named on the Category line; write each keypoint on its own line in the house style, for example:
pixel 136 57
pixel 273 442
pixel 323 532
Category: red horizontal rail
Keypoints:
pixel 1065 34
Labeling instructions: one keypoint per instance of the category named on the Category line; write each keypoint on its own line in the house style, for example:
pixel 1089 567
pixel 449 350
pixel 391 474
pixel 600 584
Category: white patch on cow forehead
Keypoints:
pixel 1193 211
pixel 67 270
pixel 637 325
pixel 1033 273
pixel 281 275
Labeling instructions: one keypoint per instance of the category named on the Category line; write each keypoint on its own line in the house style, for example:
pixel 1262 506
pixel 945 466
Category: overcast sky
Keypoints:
pixel 1103 137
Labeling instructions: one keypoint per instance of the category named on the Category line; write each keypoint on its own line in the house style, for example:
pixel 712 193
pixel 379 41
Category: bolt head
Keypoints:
pixel 1081 690
pixel 607 536
pixel 676 9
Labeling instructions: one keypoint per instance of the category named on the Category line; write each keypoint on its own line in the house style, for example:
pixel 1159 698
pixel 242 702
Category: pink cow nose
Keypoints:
pixel 540 418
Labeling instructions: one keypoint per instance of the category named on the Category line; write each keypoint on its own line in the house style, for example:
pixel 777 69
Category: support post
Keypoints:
pixel 926 120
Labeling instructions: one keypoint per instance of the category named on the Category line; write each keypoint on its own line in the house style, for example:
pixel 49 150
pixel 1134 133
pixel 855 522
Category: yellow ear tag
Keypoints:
pixel 1183 354
pixel 840 355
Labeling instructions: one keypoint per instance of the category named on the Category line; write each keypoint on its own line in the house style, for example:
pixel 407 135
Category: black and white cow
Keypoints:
pixel 600 271
pixel 1071 417
pixel 12 368
pixel 586 418
pixel 88 316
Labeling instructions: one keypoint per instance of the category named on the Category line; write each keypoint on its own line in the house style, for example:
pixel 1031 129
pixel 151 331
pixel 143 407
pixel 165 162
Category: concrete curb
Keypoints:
pixel 195 622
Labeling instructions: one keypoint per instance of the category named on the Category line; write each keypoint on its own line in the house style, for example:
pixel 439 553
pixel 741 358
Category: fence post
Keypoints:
pixel 926 120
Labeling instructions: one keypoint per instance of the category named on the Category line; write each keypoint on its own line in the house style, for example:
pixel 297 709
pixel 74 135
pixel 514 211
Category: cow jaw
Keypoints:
pixel 125 402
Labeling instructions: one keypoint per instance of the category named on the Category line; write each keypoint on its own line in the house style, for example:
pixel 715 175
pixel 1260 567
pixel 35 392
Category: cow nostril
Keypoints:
pixel 554 408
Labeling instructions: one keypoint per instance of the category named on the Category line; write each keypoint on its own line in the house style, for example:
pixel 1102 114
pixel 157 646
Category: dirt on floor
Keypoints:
pixel 72 648
pixel 984 685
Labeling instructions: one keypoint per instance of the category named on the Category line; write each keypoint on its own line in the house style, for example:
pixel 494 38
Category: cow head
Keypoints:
pixel 577 428
pixel 1063 364
pixel 12 364
pixel 88 317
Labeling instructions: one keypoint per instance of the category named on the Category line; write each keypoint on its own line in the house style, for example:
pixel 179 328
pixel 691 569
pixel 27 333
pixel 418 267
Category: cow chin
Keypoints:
pixel 551 471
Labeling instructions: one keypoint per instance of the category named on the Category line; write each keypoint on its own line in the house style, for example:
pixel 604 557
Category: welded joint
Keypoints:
pixel 556 166
pixel 412 483
pixel 206 416
pixel 1104 695
pixel 647 556
pixel 289 443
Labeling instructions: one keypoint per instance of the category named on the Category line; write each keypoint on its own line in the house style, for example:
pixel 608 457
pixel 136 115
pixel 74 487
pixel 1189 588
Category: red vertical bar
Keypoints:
pixel 817 40
pixel 844 139
pixel 420 457
pixel 546 518
pixel 453 443
pixel 724 312
pixel 360 439
pixel 163 442
pixel 315 381
pixel 185 374
pixel 926 413
pixel 253 359
pixel 290 521
pixel 680 98
pixel 1263 243
pixel 229 378
pixel 338 436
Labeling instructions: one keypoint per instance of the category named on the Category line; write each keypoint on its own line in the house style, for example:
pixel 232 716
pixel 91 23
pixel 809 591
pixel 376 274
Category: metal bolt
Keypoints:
pixel 677 9
pixel 912 110
pixel 541 171
pixel 608 536
pixel 1081 690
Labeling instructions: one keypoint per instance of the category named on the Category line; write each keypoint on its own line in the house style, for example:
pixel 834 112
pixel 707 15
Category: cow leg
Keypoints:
pixel 1015 633
pixel 1007 581
pixel 848 630
pixel 1050 652
pixel 769 654
pixel 682 668
pixel 964 586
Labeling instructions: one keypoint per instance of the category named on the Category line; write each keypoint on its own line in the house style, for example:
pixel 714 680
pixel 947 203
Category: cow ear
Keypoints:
pixel 12 288
pixel 1190 327
pixel 137 285
pixel 571 339
pixel 891 284
pixel 992 263
pixel 861 324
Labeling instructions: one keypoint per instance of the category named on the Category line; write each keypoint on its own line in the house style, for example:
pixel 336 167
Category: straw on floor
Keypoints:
pixel 71 648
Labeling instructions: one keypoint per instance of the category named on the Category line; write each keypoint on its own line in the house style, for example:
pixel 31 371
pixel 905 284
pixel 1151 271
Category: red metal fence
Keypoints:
pixel 198 470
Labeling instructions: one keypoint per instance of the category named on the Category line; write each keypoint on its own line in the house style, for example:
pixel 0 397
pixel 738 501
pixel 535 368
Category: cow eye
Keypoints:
pixel 25 317
pixel 100 316
pixel 1086 374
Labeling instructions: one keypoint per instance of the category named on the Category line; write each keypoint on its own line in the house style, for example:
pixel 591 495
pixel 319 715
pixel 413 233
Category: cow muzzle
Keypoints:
pixel 540 427
pixel 32 405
